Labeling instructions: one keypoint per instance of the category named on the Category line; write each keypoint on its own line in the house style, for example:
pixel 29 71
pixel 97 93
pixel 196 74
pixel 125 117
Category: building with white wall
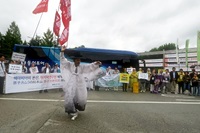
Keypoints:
pixel 170 58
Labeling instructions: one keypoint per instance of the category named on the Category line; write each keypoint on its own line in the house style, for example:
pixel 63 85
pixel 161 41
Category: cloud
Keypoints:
pixel 115 24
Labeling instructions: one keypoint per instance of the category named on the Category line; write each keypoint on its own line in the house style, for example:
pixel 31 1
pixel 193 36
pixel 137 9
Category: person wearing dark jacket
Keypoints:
pixel 186 81
pixel 173 80
pixel 195 85
pixel 191 76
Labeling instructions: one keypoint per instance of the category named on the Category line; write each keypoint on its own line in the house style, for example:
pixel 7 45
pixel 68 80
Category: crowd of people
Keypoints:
pixel 76 76
pixel 33 69
pixel 176 82
pixel 160 81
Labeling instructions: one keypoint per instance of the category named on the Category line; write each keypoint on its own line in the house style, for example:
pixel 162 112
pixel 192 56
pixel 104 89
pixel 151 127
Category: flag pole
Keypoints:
pixel 37 25
pixel 58 35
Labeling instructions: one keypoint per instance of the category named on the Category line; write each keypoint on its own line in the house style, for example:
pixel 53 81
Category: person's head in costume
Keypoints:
pixel 77 61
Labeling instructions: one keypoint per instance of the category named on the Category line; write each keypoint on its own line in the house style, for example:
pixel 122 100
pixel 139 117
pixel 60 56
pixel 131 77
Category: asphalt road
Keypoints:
pixel 106 112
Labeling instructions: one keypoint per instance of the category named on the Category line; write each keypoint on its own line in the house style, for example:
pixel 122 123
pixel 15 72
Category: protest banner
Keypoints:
pixel 14 68
pixel 124 78
pixel 129 70
pixel 18 56
pixel 108 81
pixel 143 76
pixel 16 83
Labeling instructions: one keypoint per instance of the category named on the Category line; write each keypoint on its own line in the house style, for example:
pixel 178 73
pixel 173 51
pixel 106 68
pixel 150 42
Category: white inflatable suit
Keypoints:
pixel 74 86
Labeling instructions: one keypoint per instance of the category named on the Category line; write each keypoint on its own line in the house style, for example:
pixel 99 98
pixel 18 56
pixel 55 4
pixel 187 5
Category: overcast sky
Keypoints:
pixel 135 25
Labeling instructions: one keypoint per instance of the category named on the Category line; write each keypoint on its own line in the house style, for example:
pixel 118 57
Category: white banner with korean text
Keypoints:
pixel 143 76
pixel 15 68
pixel 108 81
pixel 16 83
pixel 18 56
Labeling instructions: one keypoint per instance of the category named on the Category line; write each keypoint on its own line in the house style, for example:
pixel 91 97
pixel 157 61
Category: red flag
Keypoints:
pixel 41 7
pixel 65 7
pixel 64 37
pixel 57 23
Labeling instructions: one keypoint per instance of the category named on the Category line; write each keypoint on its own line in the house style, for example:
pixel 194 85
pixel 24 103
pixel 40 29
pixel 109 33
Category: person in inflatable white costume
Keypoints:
pixel 75 75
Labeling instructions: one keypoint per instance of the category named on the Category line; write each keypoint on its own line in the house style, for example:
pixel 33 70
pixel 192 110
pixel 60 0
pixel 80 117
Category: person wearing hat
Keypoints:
pixel 75 75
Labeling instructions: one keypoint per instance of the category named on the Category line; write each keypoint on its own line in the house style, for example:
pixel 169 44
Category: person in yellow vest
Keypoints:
pixel 134 80
pixel 180 81
pixel 131 79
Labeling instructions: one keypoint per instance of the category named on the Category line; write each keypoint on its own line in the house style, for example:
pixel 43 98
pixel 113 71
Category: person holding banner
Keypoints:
pixel 24 68
pixel 74 87
pixel 166 83
pixel 55 69
pixel 116 72
pixel 33 69
pixel 2 72
pixel 139 80
pixel 142 77
pixel 45 69
pixel 125 84
pixel 7 67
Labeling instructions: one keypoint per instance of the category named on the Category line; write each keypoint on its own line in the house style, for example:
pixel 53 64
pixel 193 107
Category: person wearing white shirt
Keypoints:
pixel 33 69
pixel 2 72
pixel 75 75
pixel 46 69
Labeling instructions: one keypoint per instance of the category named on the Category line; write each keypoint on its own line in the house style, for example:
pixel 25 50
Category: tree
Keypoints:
pixel 25 43
pixel 12 37
pixel 2 39
pixel 35 41
pixel 48 39
pixel 169 46
pixel 82 46
pixel 153 49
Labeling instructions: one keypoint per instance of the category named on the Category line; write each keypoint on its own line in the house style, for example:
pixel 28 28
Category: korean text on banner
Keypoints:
pixel 15 68
pixel 18 56
pixel 16 83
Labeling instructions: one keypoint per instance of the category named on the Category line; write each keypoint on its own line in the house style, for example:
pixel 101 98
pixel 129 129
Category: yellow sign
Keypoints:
pixel 124 78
